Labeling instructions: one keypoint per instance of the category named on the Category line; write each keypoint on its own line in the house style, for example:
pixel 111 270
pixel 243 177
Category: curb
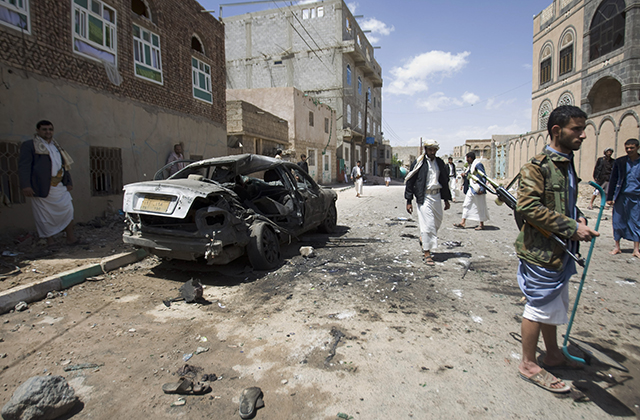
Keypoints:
pixel 39 289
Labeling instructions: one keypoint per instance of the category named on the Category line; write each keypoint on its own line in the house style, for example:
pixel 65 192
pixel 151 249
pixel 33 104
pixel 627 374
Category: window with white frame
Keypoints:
pixel 321 11
pixel 359 119
pixel 305 13
pixel 94 30
pixel 349 114
pixel 15 14
pixel 146 54
pixel 201 80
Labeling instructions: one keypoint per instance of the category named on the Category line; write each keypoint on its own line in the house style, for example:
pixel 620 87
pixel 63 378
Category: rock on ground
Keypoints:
pixel 40 398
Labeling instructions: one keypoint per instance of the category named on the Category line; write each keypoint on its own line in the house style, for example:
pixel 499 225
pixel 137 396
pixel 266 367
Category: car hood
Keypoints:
pixel 168 198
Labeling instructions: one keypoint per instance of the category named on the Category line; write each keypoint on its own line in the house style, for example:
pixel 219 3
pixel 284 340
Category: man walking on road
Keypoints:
pixel 544 269
pixel 44 175
pixel 624 196
pixel 387 176
pixel 475 200
pixel 428 181
pixel 451 167
pixel 602 173
pixel 356 176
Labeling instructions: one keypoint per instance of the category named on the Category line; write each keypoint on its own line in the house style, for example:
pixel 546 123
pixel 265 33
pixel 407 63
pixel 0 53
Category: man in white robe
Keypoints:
pixel 451 167
pixel 475 200
pixel 427 181
pixel 44 177
pixel 356 175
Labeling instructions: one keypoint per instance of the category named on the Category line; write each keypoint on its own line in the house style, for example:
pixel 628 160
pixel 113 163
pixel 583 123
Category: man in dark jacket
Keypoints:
pixel 43 170
pixel 602 173
pixel 428 181
pixel 303 163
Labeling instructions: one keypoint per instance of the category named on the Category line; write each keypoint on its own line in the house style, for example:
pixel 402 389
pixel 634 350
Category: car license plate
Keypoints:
pixel 155 203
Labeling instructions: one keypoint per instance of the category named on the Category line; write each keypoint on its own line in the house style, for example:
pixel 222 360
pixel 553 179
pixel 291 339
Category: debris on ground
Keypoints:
pixel 307 251
pixel 191 291
pixel 39 398
pixel 21 306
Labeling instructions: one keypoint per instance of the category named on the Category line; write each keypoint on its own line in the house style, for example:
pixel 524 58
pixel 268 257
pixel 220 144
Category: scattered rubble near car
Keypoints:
pixel 221 208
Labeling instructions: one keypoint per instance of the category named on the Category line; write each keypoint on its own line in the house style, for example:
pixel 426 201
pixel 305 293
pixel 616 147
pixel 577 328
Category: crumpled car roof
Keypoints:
pixel 244 164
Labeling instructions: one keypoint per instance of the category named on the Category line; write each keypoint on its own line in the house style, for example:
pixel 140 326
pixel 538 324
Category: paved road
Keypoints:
pixel 365 329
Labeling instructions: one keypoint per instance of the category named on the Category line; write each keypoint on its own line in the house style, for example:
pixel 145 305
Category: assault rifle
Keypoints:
pixel 504 196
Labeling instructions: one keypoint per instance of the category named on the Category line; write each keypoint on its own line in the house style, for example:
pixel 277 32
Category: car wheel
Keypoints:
pixel 329 223
pixel 263 249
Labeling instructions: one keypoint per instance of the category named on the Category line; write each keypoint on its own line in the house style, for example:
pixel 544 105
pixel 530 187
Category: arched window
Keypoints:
pixel 605 94
pixel 196 44
pixel 543 114
pixel 349 114
pixel 348 75
pixel 359 86
pixel 606 32
pixel 140 8
pixel 545 64
pixel 566 53
pixel 566 99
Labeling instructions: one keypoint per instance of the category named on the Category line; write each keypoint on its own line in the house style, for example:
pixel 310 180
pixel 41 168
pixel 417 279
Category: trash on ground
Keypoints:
pixel 95 278
pixel 82 366
pixel 187 356
pixel 179 402
pixel 452 244
pixel 21 306
pixel 307 251
pixel 202 350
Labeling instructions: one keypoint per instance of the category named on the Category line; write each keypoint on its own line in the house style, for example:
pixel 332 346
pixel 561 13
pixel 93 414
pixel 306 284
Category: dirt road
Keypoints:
pixel 365 329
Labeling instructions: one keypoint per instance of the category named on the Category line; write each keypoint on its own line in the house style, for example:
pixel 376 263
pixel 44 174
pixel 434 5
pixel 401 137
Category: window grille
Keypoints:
pixel 9 180
pixel 310 119
pixel 545 71
pixel 105 170
pixel 606 32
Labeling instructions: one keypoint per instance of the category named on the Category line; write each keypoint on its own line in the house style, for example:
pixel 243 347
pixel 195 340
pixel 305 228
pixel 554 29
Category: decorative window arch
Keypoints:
pixel 545 63
pixel 606 32
pixel 348 75
pixel 196 44
pixel 543 114
pixel 566 53
pixel 566 99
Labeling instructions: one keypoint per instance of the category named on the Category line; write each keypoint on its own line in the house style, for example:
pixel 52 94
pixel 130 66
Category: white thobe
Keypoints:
pixel 54 212
pixel 475 206
pixel 430 212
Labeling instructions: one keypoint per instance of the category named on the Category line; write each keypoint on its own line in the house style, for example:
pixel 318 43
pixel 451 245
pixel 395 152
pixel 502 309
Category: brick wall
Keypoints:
pixel 48 51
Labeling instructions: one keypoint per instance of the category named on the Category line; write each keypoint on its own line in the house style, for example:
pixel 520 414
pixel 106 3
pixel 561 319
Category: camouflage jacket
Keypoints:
pixel 543 201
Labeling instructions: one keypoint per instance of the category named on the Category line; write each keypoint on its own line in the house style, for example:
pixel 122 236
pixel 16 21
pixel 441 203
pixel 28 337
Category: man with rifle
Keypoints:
pixel 547 198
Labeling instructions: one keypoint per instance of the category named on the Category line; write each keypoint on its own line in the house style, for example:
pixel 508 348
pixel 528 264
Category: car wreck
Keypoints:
pixel 219 209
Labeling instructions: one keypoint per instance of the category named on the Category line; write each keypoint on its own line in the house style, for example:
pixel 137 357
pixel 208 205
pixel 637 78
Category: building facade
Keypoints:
pixel 320 49
pixel 585 53
pixel 121 80
pixel 311 127
pixel 252 130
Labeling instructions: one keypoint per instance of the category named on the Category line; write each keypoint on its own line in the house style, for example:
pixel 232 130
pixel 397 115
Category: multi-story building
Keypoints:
pixel 320 49
pixel 121 80
pixel 585 53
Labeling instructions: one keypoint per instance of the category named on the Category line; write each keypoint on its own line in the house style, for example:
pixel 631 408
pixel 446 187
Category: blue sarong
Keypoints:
pixel 626 218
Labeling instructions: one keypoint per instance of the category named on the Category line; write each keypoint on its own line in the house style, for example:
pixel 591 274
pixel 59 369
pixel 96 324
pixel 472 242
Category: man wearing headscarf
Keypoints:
pixel 475 200
pixel 428 182
pixel 44 175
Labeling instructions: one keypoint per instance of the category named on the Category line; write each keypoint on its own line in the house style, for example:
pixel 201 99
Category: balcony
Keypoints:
pixel 368 65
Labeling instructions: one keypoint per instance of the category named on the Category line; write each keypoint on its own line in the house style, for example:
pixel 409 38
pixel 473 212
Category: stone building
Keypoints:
pixel 253 130
pixel 320 49
pixel 585 53
pixel 121 80
pixel 311 127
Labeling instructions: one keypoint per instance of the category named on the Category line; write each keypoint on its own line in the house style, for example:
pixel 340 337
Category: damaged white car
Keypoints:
pixel 221 208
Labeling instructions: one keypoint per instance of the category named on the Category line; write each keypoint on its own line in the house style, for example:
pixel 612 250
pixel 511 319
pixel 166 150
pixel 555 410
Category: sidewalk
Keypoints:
pixel 38 289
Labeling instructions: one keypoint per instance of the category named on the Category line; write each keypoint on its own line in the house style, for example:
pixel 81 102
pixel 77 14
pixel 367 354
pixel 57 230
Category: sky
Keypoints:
pixel 452 71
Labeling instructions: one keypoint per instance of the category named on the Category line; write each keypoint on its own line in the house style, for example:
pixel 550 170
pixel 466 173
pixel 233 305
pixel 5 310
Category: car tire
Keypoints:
pixel 329 223
pixel 263 249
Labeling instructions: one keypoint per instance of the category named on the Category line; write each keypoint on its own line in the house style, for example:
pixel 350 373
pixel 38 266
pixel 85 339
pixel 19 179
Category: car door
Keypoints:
pixel 309 192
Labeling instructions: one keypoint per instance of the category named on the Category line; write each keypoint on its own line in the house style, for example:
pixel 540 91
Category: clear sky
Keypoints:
pixel 453 70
